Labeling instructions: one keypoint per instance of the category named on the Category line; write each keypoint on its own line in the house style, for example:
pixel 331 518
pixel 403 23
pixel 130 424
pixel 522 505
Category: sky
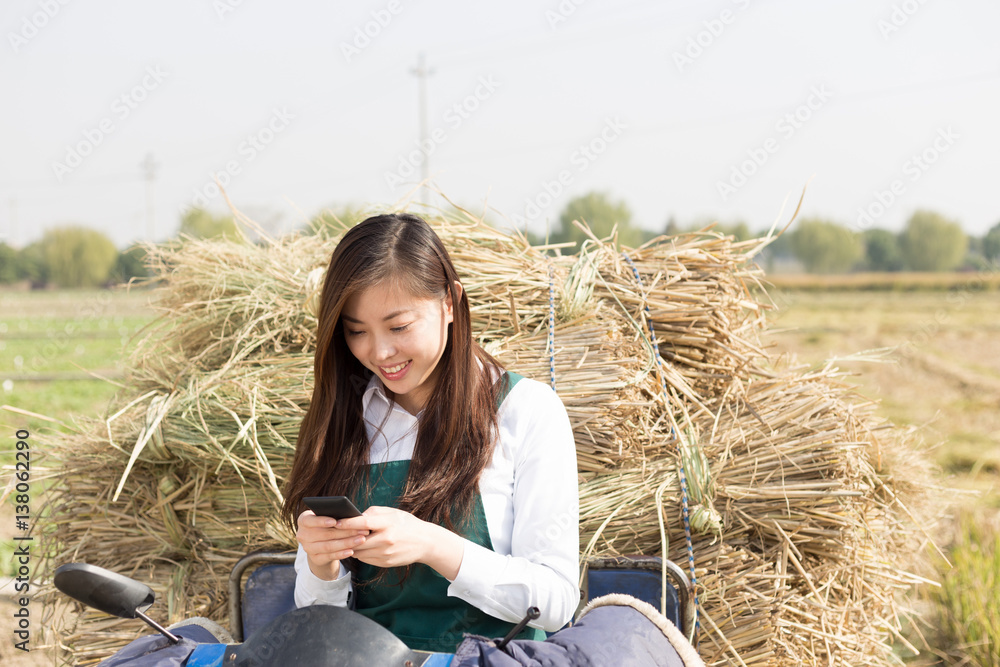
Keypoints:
pixel 696 111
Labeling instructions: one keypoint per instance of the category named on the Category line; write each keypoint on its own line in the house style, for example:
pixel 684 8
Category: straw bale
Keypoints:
pixel 803 503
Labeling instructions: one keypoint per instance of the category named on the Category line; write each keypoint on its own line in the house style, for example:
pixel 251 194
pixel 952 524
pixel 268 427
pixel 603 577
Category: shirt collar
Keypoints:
pixel 375 391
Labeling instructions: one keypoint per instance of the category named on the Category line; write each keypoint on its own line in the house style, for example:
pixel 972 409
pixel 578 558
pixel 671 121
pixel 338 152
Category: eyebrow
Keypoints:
pixel 384 319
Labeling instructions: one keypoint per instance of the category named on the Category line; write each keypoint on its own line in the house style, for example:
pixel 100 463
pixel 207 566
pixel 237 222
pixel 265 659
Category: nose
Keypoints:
pixel 385 349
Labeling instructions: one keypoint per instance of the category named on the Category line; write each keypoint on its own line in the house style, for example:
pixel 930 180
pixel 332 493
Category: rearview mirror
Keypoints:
pixel 103 589
pixel 108 591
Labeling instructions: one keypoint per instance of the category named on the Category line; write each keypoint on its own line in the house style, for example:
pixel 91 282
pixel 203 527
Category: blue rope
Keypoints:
pixel 552 327
pixel 681 474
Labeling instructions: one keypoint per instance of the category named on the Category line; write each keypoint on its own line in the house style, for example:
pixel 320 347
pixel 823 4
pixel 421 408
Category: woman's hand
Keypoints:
pixel 398 538
pixel 325 544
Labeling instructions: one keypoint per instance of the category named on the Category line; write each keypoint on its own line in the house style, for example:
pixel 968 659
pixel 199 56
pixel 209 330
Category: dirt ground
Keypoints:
pixel 9 655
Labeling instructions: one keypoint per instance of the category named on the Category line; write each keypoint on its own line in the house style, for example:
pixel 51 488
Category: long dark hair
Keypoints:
pixel 458 425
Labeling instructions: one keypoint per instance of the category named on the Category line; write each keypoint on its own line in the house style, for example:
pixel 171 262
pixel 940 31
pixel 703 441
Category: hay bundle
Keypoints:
pixel 799 527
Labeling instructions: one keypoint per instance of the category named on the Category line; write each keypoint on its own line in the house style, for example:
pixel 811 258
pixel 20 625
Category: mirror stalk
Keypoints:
pixel 159 628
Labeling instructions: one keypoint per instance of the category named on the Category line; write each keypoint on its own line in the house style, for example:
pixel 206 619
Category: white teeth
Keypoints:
pixel 394 369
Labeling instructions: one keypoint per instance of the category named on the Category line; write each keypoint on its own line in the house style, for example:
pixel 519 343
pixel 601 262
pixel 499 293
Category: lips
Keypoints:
pixel 395 372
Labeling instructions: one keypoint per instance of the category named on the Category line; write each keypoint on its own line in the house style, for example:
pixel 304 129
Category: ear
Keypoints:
pixel 449 306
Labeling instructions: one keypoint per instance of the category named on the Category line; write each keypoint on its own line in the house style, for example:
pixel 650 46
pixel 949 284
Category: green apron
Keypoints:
pixel 419 610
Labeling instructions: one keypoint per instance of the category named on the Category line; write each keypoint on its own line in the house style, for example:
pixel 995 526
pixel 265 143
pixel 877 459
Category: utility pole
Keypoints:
pixel 149 165
pixel 422 72
pixel 12 232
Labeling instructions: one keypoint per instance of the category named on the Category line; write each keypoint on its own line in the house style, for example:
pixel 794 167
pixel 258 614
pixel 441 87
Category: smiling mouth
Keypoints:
pixel 393 370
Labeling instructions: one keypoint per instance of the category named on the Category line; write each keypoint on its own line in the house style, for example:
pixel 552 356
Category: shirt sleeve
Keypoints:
pixel 543 568
pixel 310 589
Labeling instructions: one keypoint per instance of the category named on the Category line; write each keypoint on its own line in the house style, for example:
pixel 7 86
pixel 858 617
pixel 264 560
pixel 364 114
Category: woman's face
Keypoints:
pixel 400 338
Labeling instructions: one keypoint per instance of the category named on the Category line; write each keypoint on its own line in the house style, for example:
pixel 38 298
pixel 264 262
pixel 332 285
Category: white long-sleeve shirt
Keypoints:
pixel 531 502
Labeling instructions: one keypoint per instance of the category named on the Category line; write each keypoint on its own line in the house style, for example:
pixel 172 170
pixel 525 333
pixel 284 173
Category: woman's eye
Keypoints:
pixel 354 333
pixel 400 329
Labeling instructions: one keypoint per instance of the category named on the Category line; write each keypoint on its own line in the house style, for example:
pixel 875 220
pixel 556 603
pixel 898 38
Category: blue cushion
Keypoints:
pixel 643 584
pixel 269 592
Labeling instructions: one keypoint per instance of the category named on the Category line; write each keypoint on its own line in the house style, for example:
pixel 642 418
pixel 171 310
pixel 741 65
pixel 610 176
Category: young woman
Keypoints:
pixel 466 474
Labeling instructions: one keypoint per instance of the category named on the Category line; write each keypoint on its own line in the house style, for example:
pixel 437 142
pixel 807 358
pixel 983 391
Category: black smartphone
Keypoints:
pixel 338 507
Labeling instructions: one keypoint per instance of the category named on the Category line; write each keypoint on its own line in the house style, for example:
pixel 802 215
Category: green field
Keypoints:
pixel 54 347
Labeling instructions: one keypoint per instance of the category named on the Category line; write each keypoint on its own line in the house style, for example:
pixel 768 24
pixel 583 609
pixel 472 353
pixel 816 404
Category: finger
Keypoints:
pixel 377 546
pixel 357 523
pixel 333 547
pixel 325 534
pixel 308 519
pixel 365 546
pixel 374 518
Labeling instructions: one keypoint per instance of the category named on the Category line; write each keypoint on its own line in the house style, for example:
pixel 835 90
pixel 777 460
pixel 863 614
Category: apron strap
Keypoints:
pixel 508 380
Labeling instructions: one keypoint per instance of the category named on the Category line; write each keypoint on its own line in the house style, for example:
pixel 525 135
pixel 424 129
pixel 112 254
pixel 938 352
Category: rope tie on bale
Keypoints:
pixel 680 464
pixel 552 327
